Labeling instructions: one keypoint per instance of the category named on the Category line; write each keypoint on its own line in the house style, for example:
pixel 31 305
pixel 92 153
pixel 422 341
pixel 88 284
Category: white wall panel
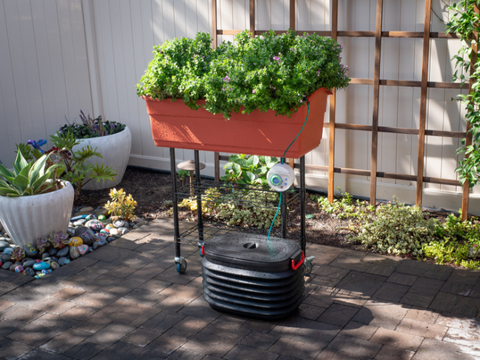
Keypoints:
pixel 60 56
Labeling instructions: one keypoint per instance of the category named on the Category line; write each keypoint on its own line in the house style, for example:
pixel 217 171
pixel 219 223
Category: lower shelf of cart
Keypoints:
pixel 191 235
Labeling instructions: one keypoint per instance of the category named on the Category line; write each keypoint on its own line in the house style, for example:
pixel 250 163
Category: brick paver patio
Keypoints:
pixel 126 301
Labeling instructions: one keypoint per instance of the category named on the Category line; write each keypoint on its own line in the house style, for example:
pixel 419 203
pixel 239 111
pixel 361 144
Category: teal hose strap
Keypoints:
pixel 283 159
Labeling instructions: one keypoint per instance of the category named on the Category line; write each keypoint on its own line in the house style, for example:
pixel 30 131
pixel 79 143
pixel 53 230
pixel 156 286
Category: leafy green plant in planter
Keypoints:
pixel 76 170
pixel 92 127
pixel 270 72
pixel 244 169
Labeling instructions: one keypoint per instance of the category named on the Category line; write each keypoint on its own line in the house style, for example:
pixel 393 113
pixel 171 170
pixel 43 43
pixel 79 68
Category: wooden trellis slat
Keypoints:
pixel 424 84
pixel 423 101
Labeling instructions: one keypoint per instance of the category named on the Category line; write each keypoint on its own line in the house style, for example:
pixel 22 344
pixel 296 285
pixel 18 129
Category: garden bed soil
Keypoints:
pixel 152 191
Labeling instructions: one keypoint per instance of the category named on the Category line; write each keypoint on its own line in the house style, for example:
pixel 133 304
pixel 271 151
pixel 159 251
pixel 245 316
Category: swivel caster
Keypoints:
pixel 181 266
pixel 308 265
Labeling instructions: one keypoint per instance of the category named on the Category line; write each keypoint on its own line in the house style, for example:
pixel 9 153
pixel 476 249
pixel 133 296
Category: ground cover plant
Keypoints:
pixel 91 127
pixel 269 72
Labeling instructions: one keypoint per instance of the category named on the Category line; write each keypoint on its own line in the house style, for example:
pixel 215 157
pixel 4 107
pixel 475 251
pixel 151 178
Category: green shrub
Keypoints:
pixel 344 207
pixel 395 229
pixel 266 72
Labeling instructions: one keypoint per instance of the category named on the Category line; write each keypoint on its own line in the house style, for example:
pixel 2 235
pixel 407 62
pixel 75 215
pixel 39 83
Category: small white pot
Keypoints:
pixel 27 218
pixel 115 150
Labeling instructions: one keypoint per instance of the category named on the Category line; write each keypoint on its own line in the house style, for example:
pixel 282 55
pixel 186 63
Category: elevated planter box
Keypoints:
pixel 175 125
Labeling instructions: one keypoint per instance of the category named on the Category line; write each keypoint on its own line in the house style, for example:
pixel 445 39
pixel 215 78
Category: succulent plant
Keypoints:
pixel 42 244
pixel 18 253
pixel 28 178
pixel 58 239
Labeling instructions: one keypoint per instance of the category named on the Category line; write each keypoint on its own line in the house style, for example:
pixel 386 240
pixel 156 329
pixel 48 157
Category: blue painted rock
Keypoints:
pixel 102 242
pixel 19 269
pixel 87 235
pixel 78 217
pixel 74 253
pixel 95 245
pixel 63 261
pixel 80 222
pixel 82 249
pixel 29 271
pixel 28 264
pixel 8 251
pixel 52 251
pixel 54 265
pixel 62 252
pixel 7 265
pixel 111 238
pixel 3 245
pixel 119 223
pixel 41 265
pixel 46 271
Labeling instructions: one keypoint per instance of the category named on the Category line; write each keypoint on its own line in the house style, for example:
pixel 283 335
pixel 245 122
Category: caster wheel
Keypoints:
pixel 182 267
pixel 200 252
pixel 307 269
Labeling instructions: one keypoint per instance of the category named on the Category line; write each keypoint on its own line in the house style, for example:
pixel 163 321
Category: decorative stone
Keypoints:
pixel 78 217
pixel 102 217
pixel 46 271
pixel 80 222
pixel 63 261
pixel 71 231
pixel 95 245
pixel 83 249
pixel 90 249
pixel 38 260
pixel 95 225
pixel 54 265
pixel 90 217
pixel 123 230
pixel 6 257
pixel 109 227
pixel 12 267
pixel 63 251
pixel 101 211
pixel 102 242
pixel 75 241
pixel 3 245
pixel 104 231
pixel 7 265
pixel 41 265
pixel 86 209
pixel 119 223
pixel 38 276
pixel 8 251
pixel 45 255
pixel 19 269
pixel 30 250
pixel 30 272
pixel 86 234
pixel 111 238
pixel 29 263
pixel 114 232
pixel 74 253
pixel 52 251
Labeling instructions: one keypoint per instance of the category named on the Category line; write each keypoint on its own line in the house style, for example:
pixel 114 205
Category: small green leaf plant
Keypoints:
pixel 248 170
pixel 76 171
pixel 29 178
pixel 92 127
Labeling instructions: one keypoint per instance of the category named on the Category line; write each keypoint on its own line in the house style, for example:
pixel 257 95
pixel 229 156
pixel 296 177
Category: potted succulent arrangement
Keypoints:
pixel 77 160
pixel 111 139
pixel 34 202
pixel 265 86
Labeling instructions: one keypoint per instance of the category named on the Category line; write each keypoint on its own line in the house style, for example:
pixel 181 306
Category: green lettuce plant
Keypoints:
pixel 268 72
pixel 29 178
pixel 244 169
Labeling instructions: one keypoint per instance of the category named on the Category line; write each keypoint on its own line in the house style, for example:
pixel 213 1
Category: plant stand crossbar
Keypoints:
pixel 198 233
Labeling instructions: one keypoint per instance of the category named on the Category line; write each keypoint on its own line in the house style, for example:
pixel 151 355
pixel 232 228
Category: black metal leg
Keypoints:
pixel 303 209
pixel 283 210
pixel 198 182
pixel 173 169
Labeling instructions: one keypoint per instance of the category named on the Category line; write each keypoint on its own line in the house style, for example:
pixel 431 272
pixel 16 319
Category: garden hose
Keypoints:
pixel 283 159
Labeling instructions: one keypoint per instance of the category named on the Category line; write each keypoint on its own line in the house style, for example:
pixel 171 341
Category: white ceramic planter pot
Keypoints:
pixel 28 218
pixel 115 150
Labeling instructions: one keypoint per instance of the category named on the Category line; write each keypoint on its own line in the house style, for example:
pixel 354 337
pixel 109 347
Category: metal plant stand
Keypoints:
pixel 260 197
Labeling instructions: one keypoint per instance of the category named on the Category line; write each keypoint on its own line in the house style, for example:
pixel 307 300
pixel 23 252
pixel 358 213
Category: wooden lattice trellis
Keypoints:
pixel 424 84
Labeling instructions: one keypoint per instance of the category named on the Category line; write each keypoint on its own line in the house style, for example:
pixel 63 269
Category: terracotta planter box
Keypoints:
pixel 175 125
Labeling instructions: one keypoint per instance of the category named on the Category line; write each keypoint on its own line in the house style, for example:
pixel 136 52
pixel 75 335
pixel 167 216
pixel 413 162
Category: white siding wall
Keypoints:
pixel 60 56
